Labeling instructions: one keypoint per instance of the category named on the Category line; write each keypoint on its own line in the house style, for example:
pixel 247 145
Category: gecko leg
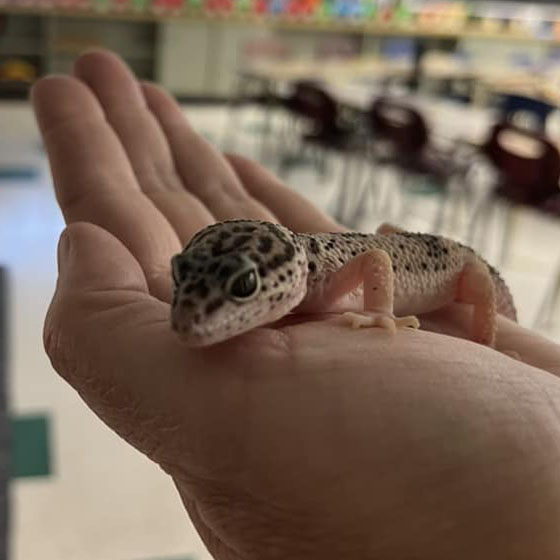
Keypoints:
pixel 376 271
pixel 476 287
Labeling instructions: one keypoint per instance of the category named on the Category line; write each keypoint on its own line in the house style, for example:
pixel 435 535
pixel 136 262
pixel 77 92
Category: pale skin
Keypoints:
pixel 310 440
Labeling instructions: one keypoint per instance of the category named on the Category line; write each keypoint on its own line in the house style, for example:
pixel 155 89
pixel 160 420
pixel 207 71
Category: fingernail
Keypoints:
pixel 64 245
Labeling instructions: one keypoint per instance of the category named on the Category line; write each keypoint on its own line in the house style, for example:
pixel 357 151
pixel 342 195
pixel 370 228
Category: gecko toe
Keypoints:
pixel 411 322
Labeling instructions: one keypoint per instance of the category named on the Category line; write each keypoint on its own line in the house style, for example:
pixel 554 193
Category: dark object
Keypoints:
pixel 527 162
pixel 514 106
pixel 401 138
pixel 310 102
pixel 400 125
pixel 528 167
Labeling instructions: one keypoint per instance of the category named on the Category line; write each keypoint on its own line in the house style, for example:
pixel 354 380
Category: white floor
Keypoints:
pixel 104 500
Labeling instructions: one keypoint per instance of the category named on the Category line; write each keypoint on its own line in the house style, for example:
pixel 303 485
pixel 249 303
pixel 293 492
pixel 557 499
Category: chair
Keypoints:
pixel 318 113
pixel 323 131
pixel 528 171
pixel 400 138
pixel 525 112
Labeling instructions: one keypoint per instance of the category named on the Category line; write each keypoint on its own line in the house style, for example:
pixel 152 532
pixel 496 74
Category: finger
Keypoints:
pixel 532 348
pixel 93 178
pixel 292 209
pixel 203 170
pixel 146 146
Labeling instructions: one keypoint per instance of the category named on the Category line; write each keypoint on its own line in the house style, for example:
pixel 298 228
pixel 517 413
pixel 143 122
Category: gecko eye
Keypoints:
pixel 243 286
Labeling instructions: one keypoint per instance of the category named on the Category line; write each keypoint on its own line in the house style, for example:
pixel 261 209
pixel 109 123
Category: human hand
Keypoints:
pixel 309 440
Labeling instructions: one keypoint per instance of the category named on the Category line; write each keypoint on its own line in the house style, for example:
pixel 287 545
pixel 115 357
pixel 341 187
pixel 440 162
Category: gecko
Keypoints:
pixel 237 275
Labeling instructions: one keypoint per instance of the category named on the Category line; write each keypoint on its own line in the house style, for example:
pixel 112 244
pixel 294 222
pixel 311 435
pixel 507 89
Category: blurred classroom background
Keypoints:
pixel 436 116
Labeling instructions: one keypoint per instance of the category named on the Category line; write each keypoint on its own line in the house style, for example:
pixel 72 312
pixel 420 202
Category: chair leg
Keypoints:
pixel 341 204
pixel 404 194
pixel 440 212
pixel 362 199
pixel 233 119
pixel 480 217
pixel 549 302
pixel 508 219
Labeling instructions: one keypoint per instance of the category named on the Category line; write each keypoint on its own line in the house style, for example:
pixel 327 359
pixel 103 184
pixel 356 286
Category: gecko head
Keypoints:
pixel 234 276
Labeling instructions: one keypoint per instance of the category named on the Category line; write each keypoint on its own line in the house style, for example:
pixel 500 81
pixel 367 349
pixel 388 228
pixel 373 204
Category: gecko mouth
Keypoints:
pixel 207 332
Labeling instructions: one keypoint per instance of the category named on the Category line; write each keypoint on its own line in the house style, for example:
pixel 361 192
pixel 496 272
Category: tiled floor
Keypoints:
pixel 102 499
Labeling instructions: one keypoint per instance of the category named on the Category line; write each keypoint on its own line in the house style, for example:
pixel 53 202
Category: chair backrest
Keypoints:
pixel 525 112
pixel 399 124
pixel 528 163
pixel 310 101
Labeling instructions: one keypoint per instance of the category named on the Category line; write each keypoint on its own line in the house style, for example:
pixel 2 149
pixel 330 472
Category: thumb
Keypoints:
pixel 105 334
pixel 90 258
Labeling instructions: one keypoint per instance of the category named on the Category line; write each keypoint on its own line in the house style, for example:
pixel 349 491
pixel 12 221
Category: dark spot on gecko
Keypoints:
pixel 265 244
pixel 275 285
pixel 290 252
pixel 262 271
pixel 407 267
pixel 214 305
pixel 238 242
pixel 282 278
pixel 199 255
pixel 436 268
pixel 264 288
pixel 289 272
pixel 401 246
pixel 279 297
pixel 217 249
pixel 202 289
pixel 444 267
pixel 314 246
pixel 249 229
pixel 446 250
pixel 311 266
pixel 394 268
pixel 354 253
pixel 189 288
pixel 224 272
pixel 424 266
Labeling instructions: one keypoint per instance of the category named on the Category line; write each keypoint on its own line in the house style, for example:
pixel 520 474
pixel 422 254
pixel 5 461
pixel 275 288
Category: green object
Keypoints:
pixel 18 173
pixel 31 446
pixel 403 14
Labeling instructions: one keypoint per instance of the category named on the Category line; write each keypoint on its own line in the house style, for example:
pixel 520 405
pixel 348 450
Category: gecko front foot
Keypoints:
pixel 383 320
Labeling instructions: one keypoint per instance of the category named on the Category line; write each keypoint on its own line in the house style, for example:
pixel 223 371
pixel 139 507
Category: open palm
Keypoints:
pixel 308 440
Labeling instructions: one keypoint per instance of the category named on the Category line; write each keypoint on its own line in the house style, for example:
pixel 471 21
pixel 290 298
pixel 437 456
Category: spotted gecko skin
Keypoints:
pixel 237 275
